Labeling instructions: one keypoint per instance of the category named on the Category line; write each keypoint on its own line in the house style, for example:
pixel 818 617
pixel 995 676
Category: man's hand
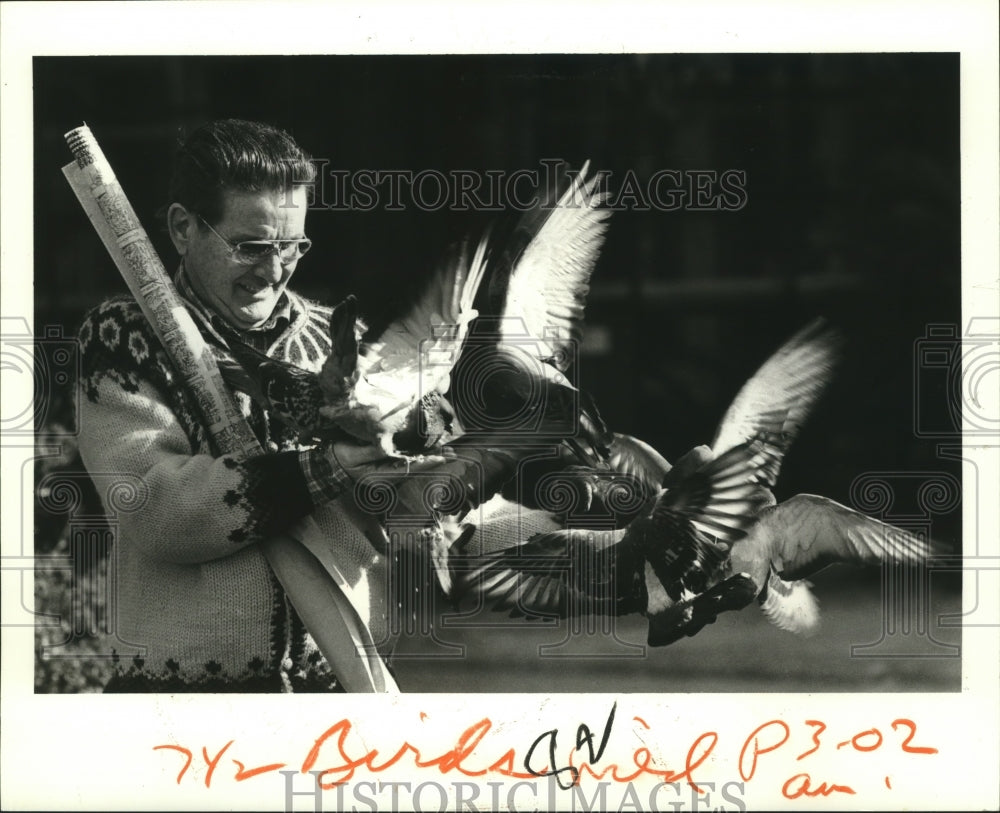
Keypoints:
pixel 358 460
pixel 368 462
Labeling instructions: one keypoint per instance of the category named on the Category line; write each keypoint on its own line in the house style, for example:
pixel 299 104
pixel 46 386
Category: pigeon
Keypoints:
pixel 661 558
pixel 709 536
pixel 510 386
pixel 787 543
pixel 800 536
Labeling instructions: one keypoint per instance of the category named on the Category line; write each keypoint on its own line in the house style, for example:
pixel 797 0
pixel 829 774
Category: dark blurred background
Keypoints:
pixel 852 212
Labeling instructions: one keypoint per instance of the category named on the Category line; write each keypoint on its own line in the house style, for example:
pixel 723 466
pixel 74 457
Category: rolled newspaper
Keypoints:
pixel 301 559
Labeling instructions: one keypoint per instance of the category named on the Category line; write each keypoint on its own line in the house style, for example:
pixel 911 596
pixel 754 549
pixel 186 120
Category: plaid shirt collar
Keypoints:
pixel 281 317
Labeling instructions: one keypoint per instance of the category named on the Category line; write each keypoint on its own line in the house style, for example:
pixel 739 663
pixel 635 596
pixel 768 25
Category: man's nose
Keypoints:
pixel 270 269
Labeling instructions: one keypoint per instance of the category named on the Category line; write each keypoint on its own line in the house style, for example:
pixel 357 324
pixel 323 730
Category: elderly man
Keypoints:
pixel 193 588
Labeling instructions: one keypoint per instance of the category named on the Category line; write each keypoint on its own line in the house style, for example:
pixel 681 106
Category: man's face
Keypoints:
pixel 244 295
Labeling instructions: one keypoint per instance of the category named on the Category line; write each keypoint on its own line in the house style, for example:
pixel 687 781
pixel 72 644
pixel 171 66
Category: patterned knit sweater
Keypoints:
pixel 192 587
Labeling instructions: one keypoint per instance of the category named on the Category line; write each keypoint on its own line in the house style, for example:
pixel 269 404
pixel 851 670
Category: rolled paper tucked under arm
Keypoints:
pixel 115 220
pixel 303 563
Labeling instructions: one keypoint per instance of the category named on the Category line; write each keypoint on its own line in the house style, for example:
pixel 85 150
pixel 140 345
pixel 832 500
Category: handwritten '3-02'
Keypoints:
pixel 801 784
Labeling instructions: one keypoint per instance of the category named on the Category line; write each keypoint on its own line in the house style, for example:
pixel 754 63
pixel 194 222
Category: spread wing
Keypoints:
pixel 549 282
pixel 808 533
pixel 427 340
pixel 778 397
pixel 559 573
pixel 720 499
pixel 713 505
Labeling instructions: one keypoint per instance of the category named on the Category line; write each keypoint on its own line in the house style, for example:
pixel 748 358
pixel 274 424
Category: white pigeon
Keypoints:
pixel 413 358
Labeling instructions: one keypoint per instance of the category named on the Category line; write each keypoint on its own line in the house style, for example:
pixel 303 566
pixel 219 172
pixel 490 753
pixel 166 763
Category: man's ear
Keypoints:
pixel 181 225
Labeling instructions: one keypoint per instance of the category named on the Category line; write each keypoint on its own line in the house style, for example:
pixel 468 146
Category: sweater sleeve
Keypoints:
pixel 135 418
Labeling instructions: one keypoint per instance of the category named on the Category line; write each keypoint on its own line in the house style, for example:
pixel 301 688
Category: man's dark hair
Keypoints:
pixel 233 154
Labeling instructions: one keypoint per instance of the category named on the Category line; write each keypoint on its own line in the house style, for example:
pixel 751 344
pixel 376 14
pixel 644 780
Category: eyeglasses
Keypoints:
pixel 251 252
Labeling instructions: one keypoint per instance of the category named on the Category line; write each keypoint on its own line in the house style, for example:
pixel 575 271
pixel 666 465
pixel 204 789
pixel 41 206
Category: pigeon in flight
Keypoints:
pixel 665 555
pixel 709 536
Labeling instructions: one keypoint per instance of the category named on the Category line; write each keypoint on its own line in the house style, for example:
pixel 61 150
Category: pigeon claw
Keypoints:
pixel 689 617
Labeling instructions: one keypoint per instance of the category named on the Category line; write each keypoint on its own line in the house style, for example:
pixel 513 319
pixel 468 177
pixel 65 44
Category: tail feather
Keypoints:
pixel 790 606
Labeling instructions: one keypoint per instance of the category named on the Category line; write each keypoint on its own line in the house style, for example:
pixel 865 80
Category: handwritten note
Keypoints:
pixel 585 753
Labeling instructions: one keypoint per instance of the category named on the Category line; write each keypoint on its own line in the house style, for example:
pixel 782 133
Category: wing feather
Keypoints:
pixel 553 573
pixel 776 400
pixel 548 286
pixel 811 532
pixel 636 458
pixel 720 498
pixel 435 326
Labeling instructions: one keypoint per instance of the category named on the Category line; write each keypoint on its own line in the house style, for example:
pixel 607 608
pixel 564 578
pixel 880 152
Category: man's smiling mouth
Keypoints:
pixel 252 289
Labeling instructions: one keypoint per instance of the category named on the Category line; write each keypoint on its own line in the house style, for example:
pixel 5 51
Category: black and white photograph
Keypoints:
pixel 613 377
pixel 674 221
